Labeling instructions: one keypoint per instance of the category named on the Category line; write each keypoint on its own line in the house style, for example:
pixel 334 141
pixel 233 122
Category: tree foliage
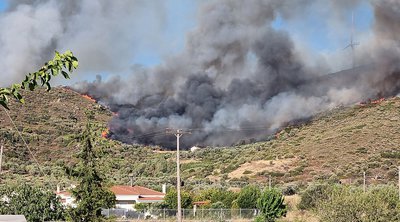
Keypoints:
pixel 33 202
pixel 90 194
pixel 271 205
pixel 142 207
pixel 171 200
pixel 61 63
pixel 215 195
pixel 345 203
pixel 248 196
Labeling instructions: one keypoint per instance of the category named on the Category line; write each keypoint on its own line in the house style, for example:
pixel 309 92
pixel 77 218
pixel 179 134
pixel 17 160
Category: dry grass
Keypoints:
pixel 280 165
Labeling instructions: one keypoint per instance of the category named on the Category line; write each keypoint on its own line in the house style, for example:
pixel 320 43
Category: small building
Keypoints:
pixel 66 198
pixel 12 218
pixel 126 196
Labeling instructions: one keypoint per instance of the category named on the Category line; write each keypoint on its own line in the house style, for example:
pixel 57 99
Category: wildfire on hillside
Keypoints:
pixel 104 134
pixel 377 101
pixel 88 97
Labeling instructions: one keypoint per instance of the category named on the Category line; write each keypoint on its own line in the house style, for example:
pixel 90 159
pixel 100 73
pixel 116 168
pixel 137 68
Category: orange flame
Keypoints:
pixel 89 98
pixel 104 134
pixel 377 101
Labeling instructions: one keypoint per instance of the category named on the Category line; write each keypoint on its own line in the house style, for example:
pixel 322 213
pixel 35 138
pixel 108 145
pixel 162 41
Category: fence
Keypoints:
pixel 187 214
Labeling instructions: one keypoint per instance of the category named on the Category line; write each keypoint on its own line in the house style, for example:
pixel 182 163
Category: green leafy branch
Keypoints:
pixel 61 63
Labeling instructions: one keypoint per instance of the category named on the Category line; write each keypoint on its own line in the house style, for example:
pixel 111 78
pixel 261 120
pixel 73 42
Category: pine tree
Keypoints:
pixel 90 194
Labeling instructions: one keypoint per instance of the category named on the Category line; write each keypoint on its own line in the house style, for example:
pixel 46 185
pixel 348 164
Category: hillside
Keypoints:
pixel 340 144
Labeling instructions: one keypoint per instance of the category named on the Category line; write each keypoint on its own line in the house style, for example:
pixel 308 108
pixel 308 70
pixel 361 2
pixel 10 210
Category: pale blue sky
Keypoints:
pixel 315 30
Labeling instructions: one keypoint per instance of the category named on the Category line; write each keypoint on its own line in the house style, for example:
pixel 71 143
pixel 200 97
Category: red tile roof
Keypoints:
pixel 134 190
pixel 125 190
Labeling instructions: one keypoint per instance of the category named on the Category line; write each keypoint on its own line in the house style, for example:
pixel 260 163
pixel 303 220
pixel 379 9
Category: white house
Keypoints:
pixel 126 196
pixel 66 198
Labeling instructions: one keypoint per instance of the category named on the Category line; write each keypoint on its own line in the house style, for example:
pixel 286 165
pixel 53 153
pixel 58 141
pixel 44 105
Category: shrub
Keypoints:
pixel 215 195
pixel 248 196
pixel 352 204
pixel 271 206
pixel 218 205
pixel 289 190
pixel 312 195
pixel 391 154
pixel 171 200
pixel 141 207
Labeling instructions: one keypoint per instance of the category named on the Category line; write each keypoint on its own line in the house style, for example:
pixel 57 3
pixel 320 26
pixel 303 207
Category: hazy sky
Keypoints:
pixel 157 37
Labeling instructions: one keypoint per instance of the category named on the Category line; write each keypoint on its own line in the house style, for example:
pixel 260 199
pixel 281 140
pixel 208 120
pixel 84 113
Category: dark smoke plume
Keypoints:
pixel 238 77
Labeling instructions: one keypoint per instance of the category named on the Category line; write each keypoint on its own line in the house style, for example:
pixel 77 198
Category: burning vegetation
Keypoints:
pixel 369 101
pixel 88 98
pixel 105 133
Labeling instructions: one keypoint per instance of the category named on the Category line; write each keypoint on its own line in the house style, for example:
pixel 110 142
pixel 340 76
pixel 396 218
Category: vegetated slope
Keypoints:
pixel 49 123
pixel 340 144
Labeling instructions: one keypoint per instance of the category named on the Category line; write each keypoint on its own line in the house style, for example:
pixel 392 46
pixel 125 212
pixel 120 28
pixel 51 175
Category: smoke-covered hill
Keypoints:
pixel 339 144
pixel 239 77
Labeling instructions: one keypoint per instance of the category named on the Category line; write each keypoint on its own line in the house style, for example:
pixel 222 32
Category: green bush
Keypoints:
pixel 391 154
pixel 352 204
pixel 248 196
pixel 271 206
pixel 171 200
pixel 141 207
pixel 312 195
pixel 217 195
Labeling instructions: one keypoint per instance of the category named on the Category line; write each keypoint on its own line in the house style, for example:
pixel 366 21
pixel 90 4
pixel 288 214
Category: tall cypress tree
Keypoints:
pixel 90 194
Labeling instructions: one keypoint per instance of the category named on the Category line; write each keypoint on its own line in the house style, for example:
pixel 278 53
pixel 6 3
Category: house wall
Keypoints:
pixel 126 201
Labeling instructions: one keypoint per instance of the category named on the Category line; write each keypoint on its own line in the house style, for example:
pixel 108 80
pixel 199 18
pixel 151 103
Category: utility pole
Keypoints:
pixel 1 156
pixel 178 133
pixel 269 182
pixel 399 182
pixel 364 186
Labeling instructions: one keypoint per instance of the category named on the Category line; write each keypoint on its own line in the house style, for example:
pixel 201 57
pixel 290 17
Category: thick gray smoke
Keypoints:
pixel 238 77
pixel 101 33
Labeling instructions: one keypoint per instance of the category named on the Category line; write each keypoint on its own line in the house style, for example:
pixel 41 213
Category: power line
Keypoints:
pixel 23 139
